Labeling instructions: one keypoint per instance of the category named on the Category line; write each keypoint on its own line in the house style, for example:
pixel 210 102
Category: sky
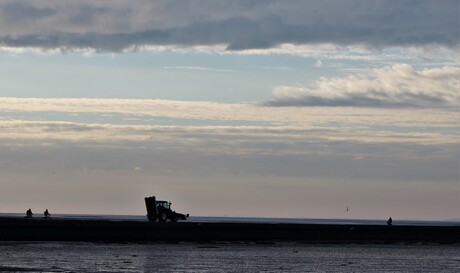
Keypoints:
pixel 254 108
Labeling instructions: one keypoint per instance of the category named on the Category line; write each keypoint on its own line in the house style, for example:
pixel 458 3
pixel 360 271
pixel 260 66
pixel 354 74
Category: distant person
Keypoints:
pixel 47 214
pixel 390 222
pixel 29 213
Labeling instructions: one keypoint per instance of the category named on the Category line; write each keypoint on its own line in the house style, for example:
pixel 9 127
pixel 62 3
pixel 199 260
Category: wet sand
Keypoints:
pixel 226 258
pixel 38 229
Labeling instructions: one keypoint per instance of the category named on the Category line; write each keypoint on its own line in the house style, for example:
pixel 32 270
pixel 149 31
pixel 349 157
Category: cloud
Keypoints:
pixel 318 63
pixel 237 112
pixel 239 25
pixel 397 86
pixel 229 140
pixel 218 127
pixel 197 68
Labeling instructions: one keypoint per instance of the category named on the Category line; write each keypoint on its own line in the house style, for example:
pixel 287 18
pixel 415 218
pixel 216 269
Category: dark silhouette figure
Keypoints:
pixel 29 213
pixel 390 222
pixel 47 214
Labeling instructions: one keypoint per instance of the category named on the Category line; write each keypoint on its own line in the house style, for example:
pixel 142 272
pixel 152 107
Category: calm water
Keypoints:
pixel 85 257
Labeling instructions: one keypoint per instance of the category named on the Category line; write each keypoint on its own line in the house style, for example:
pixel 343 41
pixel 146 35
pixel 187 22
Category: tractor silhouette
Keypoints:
pixel 161 211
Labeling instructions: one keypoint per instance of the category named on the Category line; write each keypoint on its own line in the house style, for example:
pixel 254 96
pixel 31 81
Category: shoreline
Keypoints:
pixel 67 230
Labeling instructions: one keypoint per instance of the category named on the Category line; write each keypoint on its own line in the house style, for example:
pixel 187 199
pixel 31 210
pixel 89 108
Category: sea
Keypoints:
pixel 229 257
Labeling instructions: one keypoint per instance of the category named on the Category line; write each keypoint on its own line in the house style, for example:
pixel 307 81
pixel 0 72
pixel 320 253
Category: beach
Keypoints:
pixel 39 229
pixel 70 245
pixel 192 257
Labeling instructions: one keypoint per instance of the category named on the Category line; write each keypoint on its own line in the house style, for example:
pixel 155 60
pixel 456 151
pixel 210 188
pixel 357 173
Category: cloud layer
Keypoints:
pixel 226 128
pixel 241 24
pixel 397 86
pixel 240 113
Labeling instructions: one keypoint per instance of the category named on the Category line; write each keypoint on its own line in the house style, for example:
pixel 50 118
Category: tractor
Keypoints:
pixel 162 211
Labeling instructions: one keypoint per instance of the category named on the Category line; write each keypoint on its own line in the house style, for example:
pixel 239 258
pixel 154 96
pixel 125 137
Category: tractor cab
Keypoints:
pixel 163 205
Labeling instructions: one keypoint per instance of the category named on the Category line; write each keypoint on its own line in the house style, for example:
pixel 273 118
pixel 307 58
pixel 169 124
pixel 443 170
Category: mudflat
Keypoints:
pixel 38 229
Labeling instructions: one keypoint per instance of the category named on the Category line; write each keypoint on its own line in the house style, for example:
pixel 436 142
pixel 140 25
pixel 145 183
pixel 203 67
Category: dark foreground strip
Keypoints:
pixel 127 231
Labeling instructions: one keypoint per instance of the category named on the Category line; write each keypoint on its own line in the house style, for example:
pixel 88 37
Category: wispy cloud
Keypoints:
pixel 197 68
pixel 200 110
pixel 239 25
pixel 220 139
pixel 397 86
pixel 280 130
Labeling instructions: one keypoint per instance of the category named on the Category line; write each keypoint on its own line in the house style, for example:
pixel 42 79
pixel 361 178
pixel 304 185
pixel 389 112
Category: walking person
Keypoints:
pixel 390 222
pixel 29 213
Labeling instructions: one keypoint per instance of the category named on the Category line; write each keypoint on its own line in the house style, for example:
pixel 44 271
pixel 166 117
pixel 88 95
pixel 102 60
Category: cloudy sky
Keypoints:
pixel 267 108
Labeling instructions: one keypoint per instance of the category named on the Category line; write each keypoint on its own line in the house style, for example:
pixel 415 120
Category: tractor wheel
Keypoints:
pixel 163 217
pixel 174 218
pixel 152 218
